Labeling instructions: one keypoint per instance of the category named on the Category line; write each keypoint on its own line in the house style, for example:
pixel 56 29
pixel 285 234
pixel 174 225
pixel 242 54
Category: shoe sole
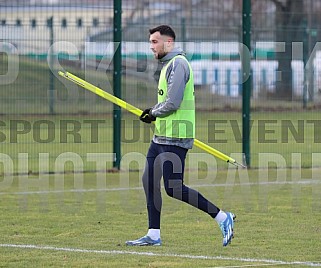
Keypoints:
pixel 143 242
pixel 234 217
pixel 142 245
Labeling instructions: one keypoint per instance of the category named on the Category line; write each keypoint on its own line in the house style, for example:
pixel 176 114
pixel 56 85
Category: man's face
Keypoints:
pixel 160 44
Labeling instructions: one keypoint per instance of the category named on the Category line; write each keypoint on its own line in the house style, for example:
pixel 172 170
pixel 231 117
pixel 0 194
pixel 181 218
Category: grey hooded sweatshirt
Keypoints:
pixel 177 75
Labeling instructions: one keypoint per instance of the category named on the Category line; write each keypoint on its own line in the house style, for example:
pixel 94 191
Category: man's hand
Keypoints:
pixel 146 117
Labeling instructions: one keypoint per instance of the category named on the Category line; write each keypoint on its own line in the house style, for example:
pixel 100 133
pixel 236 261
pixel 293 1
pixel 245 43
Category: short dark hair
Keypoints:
pixel 163 30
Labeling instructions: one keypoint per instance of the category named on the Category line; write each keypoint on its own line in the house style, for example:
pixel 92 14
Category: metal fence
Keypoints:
pixel 285 53
pixel 38 38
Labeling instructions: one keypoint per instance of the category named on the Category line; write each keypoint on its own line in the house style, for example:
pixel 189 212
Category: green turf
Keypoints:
pixel 278 221
pixel 274 222
pixel 29 92
pixel 272 143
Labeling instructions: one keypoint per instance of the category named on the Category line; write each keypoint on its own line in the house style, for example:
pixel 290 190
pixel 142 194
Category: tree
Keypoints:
pixel 290 22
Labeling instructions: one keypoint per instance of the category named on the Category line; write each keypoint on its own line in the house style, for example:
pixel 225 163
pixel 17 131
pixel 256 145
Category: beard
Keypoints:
pixel 160 55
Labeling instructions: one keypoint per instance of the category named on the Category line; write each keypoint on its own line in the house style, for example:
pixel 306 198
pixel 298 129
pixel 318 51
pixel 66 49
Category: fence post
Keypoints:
pixel 240 81
pixel 183 23
pixel 117 82
pixel 246 96
pixel 51 67
pixel 204 76
pixel 228 82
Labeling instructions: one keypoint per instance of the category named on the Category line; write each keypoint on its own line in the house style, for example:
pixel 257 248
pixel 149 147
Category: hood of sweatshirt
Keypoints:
pixel 175 51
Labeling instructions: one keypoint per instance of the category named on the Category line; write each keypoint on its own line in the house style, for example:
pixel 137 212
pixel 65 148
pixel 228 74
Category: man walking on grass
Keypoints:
pixel 174 117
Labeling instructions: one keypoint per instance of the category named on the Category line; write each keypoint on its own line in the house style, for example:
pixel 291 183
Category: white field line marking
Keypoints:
pixel 302 182
pixel 152 254
pixel 250 265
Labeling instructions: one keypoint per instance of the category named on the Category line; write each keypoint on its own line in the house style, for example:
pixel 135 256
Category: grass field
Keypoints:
pixel 279 134
pixel 86 225
pixel 80 216
pixel 60 207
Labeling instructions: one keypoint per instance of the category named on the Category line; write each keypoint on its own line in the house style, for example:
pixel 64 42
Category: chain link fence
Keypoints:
pixel 285 53
pixel 39 38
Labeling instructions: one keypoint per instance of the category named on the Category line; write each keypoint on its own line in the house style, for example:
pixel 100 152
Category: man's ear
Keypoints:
pixel 169 43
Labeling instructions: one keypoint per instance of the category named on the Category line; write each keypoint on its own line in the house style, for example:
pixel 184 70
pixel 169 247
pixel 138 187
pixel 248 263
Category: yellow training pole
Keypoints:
pixel 138 112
